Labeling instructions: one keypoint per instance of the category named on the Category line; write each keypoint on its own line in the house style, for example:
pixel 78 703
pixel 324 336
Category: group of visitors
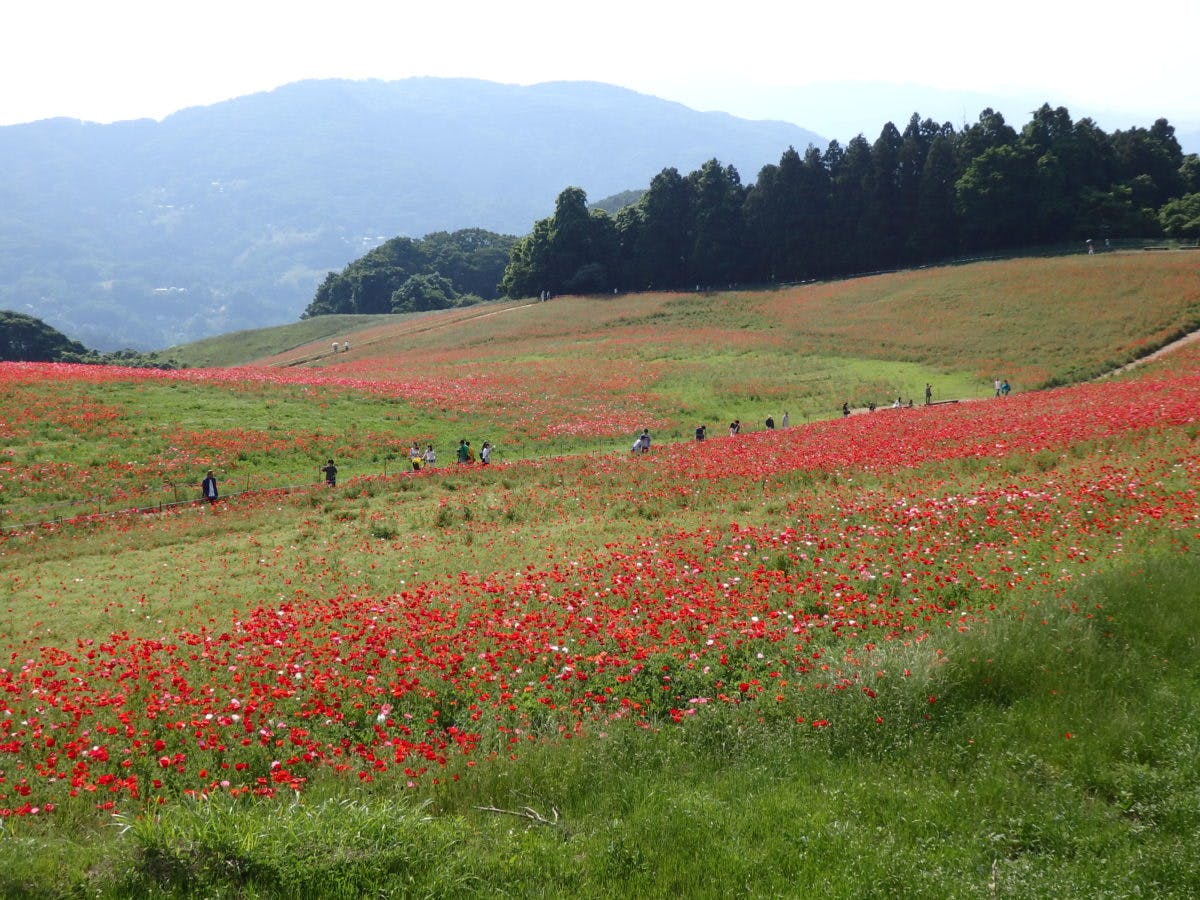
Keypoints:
pixel 735 427
pixel 1000 385
pixel 898 403
pixel 465 454
pixel 641 443
pixel 418 457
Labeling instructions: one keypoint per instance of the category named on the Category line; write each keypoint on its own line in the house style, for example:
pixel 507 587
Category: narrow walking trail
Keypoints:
pixel 286 359
pixel 1189 338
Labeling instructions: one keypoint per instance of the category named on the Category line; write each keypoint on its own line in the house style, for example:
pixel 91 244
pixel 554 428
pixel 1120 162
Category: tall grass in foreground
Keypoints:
pixel 1046 755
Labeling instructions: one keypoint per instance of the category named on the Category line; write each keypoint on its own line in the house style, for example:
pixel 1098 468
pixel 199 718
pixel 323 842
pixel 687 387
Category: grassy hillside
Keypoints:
pixel 946 651
pixel 241 347
pixel 1034 321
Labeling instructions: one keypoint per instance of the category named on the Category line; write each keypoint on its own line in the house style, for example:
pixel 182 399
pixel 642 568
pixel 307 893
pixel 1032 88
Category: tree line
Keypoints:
pixel 26 338
pixel 921 195
pixel 441 270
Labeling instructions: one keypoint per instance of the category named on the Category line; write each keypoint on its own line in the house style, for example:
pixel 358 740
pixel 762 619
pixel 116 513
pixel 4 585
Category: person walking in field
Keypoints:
pixel 485 453
pixel 430 456
pixel 785 421
pixel 701 432
pixel 463 453
pixel 770 423
pixel 996 386
pixel 414 457
pixel 846 409
pixel 330 472
pixel 928 393
pixel 208 487
pixel 1005 387
pixel 735 427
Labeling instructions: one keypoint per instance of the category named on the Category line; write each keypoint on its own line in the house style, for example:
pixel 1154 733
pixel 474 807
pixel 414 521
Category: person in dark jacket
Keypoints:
pixel 208 487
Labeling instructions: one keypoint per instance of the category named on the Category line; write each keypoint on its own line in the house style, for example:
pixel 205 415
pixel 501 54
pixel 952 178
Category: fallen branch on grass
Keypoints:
pixel 524 812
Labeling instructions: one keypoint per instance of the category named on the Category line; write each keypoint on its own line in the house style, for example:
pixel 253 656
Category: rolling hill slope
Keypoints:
pixel 1035 321
pixel 946 651
pixel 227 216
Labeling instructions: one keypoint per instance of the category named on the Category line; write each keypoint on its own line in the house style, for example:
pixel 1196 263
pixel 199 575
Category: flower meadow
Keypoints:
pixel 91 438
pixel 412 630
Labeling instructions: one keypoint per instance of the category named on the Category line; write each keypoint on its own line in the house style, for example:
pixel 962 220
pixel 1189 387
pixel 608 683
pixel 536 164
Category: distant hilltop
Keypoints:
pixel 228 216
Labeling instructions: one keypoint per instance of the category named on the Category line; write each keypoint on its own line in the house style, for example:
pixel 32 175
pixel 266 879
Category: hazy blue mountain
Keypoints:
pixel 149 233
pixel 614 203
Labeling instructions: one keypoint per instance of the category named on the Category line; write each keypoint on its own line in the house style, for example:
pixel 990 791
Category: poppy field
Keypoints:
pixel 932 639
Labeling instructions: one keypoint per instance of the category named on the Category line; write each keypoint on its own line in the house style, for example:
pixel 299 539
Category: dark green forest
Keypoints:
pixel 28 339
pixel 438 271
pixel 25 338
pixel 923 195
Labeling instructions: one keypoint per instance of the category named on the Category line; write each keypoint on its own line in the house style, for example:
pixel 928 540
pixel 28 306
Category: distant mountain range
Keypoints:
pixel 222 217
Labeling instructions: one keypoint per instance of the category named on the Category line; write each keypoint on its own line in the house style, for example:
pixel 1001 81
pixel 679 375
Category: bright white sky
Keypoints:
pixel 122 59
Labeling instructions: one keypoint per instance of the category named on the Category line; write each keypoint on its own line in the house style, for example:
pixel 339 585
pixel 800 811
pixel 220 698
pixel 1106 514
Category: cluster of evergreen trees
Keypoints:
pixel 911 197
pixel 25 338
pixel 442 269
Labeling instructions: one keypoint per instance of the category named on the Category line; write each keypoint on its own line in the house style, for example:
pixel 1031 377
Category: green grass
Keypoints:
pixel 697 358
pixel 1033 320
pixel 807 388
pixel 981 794
pixel 241 347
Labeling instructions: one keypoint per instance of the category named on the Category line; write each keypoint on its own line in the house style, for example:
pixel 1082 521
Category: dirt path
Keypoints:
pixel 284 360
pixel 1189 338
